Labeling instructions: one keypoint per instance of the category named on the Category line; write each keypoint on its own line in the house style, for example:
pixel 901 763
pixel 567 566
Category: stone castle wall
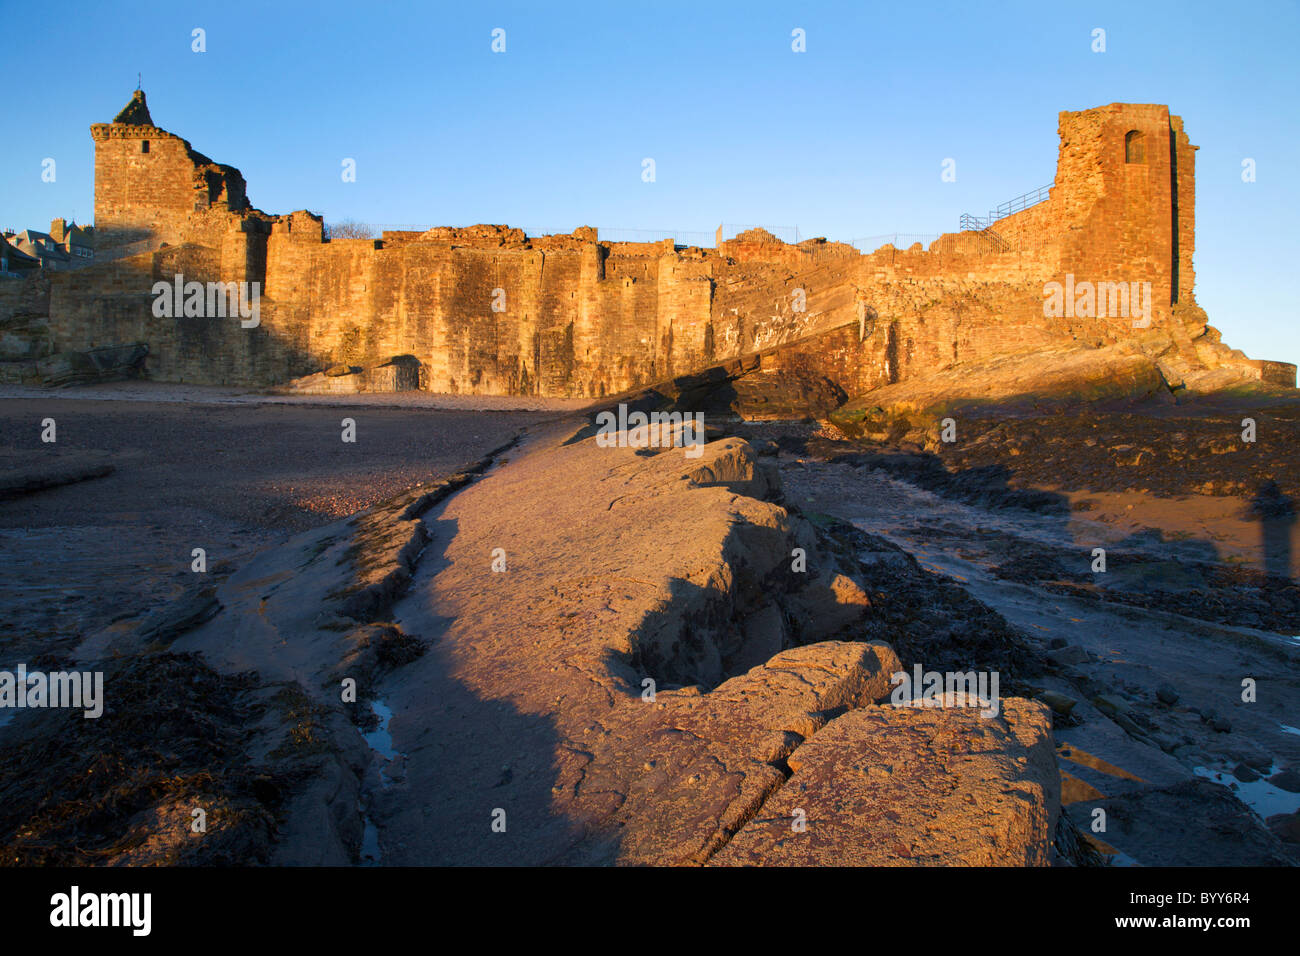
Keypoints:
pixel 489 310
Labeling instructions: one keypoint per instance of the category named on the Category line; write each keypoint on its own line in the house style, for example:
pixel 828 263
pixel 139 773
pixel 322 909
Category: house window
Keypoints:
pixel 1134 148
pixel 144 146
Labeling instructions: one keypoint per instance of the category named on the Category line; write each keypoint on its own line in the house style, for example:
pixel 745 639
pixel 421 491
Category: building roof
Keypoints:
pixel 41 244
pixel 136 112
pixel 78 235
pixel 13 253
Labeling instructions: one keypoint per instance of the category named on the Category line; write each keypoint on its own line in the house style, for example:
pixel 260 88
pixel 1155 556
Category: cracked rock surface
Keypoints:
pixel 897 786
pixel 604 655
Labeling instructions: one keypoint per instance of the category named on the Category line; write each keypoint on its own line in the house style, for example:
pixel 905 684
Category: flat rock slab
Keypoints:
pixel 715 754
pixel 579 610
pixel 621 567
pixel 26 481
pixel 904 786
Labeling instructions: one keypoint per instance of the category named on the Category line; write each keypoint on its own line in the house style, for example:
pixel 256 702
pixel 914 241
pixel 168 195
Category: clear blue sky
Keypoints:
pixel 845 140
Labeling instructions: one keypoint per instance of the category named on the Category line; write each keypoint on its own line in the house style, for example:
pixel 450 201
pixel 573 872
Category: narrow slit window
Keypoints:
pixel 144 146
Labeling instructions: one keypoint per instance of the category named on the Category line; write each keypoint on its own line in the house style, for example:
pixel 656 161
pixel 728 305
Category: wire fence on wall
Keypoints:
pixel 682 237
pixel 899 240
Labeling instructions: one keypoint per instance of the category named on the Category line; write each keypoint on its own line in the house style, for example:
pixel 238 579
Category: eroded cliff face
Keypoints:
pixel 490 310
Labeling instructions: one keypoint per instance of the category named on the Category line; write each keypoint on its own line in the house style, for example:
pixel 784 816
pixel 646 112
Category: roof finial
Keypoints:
pixel 138 81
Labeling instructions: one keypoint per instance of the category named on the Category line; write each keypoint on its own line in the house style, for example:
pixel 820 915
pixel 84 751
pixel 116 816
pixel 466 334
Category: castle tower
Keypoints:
pixel 148 182
pixel 1125 194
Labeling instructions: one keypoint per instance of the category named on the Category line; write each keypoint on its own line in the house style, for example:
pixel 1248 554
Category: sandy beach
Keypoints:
pixel 228 471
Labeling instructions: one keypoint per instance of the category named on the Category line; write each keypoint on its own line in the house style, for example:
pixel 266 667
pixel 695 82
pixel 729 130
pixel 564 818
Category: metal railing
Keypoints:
pixel 997 242
pixel 970 223
pixel 1020 203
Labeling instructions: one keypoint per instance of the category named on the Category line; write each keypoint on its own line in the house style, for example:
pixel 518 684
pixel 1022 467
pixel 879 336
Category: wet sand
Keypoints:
pixel 225 471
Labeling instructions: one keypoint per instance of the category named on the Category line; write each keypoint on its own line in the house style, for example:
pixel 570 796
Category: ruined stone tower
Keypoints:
pixel 148 182
pixel 1127 172
pixel 1122 206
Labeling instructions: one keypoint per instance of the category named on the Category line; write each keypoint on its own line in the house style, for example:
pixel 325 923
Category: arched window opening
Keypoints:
pixel 1135 150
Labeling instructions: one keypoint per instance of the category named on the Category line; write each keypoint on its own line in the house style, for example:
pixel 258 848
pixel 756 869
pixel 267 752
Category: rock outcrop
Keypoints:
pixel 609 655
pixel 401 373
pixel 897 786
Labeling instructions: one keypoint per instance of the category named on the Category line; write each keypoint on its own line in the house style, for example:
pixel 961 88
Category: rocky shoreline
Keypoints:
pixel 569 653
